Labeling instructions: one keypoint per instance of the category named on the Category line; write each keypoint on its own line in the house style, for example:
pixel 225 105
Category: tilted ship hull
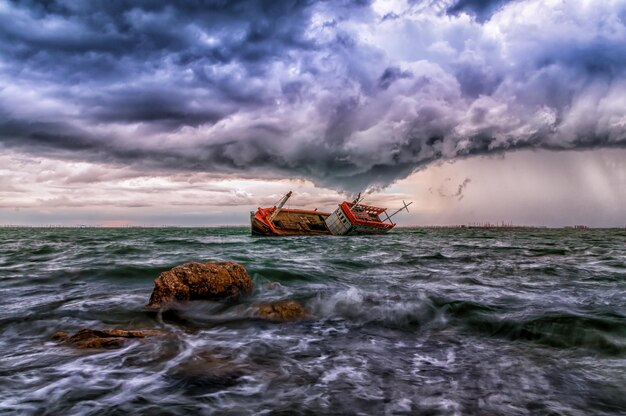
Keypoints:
pixel 288 222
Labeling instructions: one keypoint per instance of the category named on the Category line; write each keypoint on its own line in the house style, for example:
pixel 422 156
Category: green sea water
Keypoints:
pixel 433 322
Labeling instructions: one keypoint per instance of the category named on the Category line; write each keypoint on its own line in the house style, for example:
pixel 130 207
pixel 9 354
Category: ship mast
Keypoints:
pixel 406 206
pixel 356 202
pixel 280 205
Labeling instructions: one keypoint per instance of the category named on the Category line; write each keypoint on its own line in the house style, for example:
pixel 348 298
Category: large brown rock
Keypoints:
pixel 200 281
pixel 289 310
pixel 102 338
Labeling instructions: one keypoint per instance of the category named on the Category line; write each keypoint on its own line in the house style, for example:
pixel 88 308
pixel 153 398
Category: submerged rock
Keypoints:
pixel 200 281
pixel 60 336
pixel 206 372
pixel 102 338
pixel 288 310
pixel 206 362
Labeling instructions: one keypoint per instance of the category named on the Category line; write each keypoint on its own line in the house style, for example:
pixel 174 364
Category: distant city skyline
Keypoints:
pixel 180 113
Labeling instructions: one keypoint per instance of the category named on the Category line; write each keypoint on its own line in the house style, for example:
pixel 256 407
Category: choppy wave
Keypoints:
pixel 441 322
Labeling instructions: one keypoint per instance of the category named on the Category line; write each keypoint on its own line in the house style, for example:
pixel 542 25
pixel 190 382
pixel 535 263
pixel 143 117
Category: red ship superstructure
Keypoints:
pixel 356 218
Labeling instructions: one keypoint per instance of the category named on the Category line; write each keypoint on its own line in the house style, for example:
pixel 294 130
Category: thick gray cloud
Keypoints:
pixel 481 8
pixel 348 94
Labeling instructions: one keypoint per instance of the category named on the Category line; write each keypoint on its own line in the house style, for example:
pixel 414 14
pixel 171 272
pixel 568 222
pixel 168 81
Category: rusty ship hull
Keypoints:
pixel 288 222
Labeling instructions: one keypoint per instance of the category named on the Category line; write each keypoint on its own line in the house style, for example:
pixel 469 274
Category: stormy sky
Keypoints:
pixel 343 95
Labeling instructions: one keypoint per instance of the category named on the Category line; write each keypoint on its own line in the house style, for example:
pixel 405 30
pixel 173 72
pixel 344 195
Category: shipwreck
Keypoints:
pixel 350 218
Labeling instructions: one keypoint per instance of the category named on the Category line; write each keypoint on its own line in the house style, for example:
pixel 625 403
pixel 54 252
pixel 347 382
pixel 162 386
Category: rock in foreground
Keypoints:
pixel 200 281
pixel 289 310
pixel 104 338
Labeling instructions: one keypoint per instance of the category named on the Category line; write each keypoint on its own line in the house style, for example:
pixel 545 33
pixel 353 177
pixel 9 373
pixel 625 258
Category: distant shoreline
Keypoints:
pixel 427 227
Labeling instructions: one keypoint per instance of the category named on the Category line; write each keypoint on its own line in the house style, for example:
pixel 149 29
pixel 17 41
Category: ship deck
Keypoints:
pixel 304 222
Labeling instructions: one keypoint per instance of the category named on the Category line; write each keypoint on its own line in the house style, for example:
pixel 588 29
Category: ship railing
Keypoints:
pixel 355 220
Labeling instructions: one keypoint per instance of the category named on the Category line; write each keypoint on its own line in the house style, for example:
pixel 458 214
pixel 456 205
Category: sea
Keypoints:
pixel 415 322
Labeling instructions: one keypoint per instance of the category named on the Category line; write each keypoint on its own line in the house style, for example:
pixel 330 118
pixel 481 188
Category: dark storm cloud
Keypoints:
pixel 45 134
pixel 480 8
pixel 391 75
pixel 118 49
pixel 335 92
